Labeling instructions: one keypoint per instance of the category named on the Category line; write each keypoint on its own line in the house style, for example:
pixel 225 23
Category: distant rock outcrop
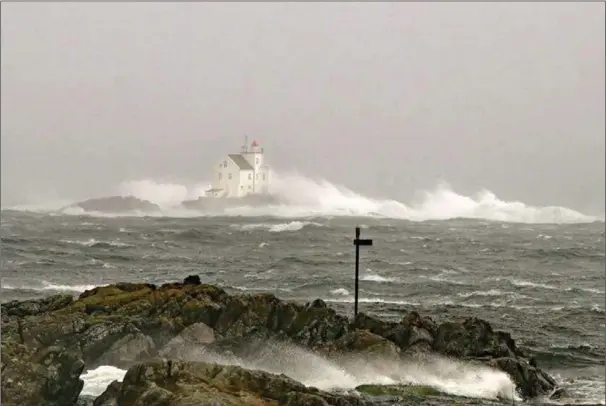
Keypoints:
pixel 117 204
pixel 132 325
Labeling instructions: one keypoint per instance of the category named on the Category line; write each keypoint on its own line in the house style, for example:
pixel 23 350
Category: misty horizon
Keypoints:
pixel 385 99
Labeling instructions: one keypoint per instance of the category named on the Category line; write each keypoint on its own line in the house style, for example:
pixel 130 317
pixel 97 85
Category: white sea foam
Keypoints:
pixel 162 194
pixel 491 292
pixel 350 299
pixel 340 291
pixel 304 197
pixel 291 226
pixel 588 290
pixel 90 242
pixel 370 277
pixel 441 279
pixel 49 286
pixel 529 284
pixel 97 380
pixel 448 376
pixel 276 227
pixel 586 387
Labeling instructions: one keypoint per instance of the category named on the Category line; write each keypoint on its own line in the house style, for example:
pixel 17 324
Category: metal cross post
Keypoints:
pixel 357 242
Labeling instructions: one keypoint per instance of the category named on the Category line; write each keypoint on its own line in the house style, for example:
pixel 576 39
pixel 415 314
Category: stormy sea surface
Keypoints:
pixel 544 283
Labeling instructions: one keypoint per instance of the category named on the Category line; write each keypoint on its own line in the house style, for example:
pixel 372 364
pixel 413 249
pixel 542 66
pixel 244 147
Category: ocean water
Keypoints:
pixel 543 281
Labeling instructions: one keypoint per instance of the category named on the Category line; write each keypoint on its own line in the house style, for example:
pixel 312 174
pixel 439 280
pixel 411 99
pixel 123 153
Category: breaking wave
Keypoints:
pixel 371 277
pixel 445 375
pixel 300 197
pixel 96 244
pixel 98 379
pixel 49 286
pixel 276 228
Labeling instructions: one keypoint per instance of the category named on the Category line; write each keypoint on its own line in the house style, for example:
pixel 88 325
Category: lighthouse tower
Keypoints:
pixel 260 173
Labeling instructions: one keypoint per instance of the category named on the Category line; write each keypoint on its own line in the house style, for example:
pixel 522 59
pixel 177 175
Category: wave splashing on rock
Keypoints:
pixel 446 375
pixel 197 342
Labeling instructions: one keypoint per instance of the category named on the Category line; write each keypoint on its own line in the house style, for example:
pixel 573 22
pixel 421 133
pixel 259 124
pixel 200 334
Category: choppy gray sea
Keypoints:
pixel 543 283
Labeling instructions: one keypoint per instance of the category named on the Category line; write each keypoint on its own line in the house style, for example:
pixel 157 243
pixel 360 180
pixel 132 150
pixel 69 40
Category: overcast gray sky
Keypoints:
pixel 384 98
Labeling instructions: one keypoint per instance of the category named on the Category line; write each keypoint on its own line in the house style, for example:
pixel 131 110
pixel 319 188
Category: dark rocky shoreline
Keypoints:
pixel 47 343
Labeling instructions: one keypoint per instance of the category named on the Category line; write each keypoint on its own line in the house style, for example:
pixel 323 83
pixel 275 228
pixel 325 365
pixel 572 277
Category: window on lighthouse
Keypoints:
pixel 257 161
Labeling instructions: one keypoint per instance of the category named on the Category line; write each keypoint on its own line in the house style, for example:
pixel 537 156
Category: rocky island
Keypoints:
pixel 116 205
pixel 194 344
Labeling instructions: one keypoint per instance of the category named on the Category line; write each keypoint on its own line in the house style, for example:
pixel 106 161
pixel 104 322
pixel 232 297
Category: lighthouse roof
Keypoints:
pixel 254 144
pixel 241 162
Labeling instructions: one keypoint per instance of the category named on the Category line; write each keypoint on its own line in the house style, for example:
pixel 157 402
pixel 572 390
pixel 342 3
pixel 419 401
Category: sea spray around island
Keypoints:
pixel 447 376
pixel 301 197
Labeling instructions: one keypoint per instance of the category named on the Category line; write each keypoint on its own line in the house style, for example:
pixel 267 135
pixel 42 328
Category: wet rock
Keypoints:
pixel 192 280
pixel 401 391
pixel 364 322
pixel 172 383
pixel 531 382
pixel 127 323
pixel 127 350
pixel 110 396
pixel 366 344
pixel 49 376
pixel 36 307
pixel 194 337
pixel 473 338
pixel 316 304
pixel 418 395
pixel 117 204
pixel 558 394
pixel 420 349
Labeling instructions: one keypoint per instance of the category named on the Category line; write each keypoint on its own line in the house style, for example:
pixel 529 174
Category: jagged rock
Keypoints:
pixel 558 394
pixel 37 306
pixel 126 323
pixel 49 376
pixel 177 383
pixel 127 350
pixel 402 391
pixel 197 335
pixel 411 331
pixel 473 338
pixel 531 381
pixel 365 343
pixel 420 395
pixel 110 396
pixel 192 280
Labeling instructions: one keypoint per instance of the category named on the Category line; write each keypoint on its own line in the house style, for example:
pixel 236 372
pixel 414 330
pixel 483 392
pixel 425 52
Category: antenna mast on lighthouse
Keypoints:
pixel 245 146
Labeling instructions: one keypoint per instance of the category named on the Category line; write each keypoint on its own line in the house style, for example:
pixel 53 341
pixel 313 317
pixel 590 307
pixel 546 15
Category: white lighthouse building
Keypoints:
pixel 240 175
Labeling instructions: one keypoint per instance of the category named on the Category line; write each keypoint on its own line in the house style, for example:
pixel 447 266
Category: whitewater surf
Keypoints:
pixel 296 196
